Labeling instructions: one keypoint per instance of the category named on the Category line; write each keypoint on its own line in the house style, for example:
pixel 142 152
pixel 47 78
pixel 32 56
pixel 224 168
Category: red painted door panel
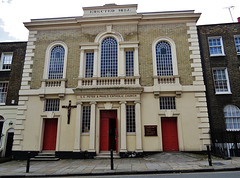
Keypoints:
pixel 105 116
pixel 169 134
pixel 104 139
pixel 116 135
pixel 50 134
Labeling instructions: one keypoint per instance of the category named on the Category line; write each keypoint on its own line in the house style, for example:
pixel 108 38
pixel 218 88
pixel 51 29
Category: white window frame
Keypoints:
pixel 86 117
pixel 48 55
pixel 174 54
pixel 237 36
pixel 167 102
pixel 221 45
pixel 117 58
pixel 96 47
pixel 6 93
pixel 128 57
pixel 131 118
pixel 85 64
pixel 227 78
pixel 2 56
pixel 232 117
pixel 52 102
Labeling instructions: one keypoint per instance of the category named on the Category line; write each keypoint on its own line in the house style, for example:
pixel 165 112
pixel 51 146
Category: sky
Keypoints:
pixel 14 12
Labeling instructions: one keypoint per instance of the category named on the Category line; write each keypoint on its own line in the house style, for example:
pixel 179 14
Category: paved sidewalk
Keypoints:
pixel 157 163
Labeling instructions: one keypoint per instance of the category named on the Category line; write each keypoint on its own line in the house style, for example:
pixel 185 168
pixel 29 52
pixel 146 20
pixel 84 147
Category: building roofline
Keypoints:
pixel 167 12
pixel 77 19
pixel 5 42
pixel 232 23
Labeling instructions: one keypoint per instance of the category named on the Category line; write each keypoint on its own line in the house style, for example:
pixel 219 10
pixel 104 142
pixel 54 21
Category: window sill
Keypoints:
pixel 131 134
pixel 85 134
pixel 2 104
pixel 5 70
pixel 218 55
pixel 233 130
pixel 224 93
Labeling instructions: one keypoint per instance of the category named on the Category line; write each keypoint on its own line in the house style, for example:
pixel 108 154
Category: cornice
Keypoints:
pixel 141 18
pixel 107 18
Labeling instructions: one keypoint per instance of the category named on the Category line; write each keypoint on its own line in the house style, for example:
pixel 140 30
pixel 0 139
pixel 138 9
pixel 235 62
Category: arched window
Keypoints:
pixel 56 63
pixel 164 59
pixel 109 57
pixel 232 117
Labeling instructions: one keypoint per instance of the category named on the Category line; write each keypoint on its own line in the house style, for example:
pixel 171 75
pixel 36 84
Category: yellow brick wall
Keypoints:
pixel 146 34
pixel 129 32
pixel 178 33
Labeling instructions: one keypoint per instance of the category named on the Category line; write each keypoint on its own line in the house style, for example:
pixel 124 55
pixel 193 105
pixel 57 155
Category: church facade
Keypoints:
pixel 112 79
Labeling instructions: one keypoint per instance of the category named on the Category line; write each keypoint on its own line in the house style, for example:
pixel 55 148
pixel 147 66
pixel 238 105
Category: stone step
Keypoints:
pixel 45 156
pixel 107 155
pixel 44 159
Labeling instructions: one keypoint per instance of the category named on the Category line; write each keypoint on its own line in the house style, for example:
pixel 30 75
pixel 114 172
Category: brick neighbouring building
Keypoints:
pixel 135 80
pixel 221 73
pixel 12 56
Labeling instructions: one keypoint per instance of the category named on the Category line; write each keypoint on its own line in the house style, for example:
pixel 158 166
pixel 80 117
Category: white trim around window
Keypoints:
pixel 174 54
pixel 216 46
pixel 237 43
pixel 6 61
pixel 221 81
pixel 96 49
pixel 47 58
pixel 232 118
pixel 3 92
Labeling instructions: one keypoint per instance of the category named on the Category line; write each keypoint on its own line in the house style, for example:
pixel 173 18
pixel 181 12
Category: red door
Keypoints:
pixel 104 139
pixel 108 130
pixel 50 134
pixel 169 134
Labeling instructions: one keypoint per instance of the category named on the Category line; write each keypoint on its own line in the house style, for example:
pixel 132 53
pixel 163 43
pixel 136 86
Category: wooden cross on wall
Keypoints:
pixel 69 107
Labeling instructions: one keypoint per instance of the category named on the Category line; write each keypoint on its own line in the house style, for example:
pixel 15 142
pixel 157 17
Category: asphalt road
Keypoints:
pixel 235 174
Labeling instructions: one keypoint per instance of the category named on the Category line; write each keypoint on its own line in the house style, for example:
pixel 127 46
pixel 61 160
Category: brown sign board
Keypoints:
pixel 150 130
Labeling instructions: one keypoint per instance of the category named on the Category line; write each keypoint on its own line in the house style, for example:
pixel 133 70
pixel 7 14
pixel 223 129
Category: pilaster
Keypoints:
pixel 77 140
pixel 92 127
pixel 123 146
pixel 138 126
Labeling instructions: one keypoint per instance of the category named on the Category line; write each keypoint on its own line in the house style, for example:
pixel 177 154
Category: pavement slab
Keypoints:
pixel 157 163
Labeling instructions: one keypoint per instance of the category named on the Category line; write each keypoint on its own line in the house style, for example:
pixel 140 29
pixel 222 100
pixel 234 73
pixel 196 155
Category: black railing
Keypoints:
pixel 226 144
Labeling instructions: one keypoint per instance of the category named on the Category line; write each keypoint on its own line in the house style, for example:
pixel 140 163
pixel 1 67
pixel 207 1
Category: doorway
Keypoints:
pixel 9 144
pixel 169 134
pixel 50 134
pixel 108 130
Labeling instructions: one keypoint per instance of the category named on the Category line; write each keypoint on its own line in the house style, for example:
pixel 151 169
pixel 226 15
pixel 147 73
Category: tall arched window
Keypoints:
pixel 109 57
pixel 56 63
pixel 164 59
pixel 232 117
